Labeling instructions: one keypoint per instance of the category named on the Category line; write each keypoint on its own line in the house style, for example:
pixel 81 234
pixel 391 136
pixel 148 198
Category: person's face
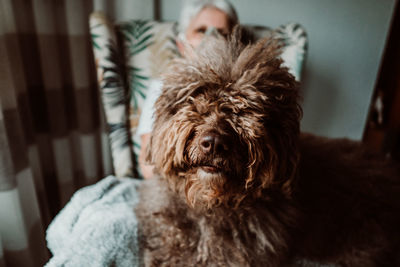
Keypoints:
pixel 208 17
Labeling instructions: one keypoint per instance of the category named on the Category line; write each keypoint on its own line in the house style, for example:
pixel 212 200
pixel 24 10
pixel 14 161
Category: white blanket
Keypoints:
pixel 97 227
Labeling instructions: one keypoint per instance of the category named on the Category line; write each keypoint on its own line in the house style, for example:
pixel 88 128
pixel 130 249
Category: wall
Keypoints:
pixel 123 10
pixel 346 41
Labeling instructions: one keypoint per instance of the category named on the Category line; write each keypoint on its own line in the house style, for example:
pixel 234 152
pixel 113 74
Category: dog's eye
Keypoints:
pixel 225 109
pixel 196 92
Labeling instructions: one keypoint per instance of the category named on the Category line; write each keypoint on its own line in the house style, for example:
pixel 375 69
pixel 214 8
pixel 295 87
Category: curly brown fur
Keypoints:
pixel 237 185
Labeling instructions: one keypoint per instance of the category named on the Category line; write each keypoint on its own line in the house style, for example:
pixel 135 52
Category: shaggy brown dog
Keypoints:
pixel 238 185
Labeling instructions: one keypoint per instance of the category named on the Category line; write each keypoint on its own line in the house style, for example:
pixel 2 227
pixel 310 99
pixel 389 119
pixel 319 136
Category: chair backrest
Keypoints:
pixel 130 54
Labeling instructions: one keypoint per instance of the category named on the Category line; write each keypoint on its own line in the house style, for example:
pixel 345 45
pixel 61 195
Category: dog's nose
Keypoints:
pixel 213 143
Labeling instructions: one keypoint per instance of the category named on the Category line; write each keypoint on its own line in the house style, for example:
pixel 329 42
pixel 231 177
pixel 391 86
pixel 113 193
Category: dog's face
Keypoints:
pixel 227 124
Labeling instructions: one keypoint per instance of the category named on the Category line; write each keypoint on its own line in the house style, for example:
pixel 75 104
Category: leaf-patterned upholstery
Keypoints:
pixel 129 55
pixel 114 89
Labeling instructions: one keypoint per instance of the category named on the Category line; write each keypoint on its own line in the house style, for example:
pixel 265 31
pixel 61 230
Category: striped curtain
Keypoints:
pixel 52 136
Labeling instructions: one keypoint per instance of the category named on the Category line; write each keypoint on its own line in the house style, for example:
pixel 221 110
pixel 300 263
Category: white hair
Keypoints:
pixel 191 8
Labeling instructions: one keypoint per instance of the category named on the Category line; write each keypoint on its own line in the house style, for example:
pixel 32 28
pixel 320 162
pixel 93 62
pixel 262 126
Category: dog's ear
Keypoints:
pixel 282 171
pixel 274 166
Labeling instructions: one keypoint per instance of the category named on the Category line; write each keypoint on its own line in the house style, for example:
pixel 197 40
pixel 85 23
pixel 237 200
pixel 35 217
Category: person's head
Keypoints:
pixel 201 16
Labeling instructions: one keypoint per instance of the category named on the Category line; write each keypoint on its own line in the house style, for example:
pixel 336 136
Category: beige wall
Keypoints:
pixel 122 10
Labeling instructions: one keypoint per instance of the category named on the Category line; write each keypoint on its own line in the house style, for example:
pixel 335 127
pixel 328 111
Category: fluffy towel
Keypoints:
pixel 97 227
